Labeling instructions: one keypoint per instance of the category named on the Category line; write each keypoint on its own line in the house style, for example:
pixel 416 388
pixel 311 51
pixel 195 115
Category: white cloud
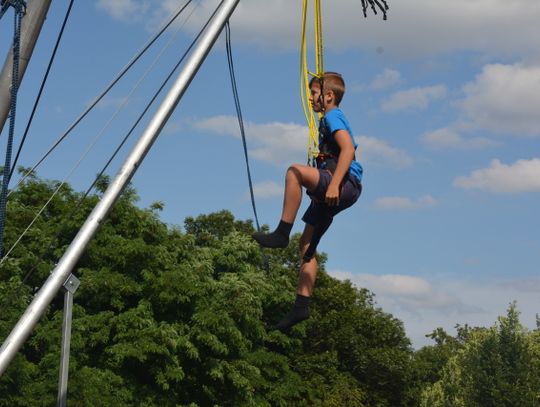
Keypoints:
pixel 376 151
pixel 446 138
pixel 277 143
pixel 399 202
pixel 266 142
pixel 504 99
pixel 522 176
pixel 125 10
pixel 404 291
pixel 527 285
pixel 424 304
pixel 496 27
pixel 271 25
pixel 415 98
pixel 386 79
pixel 223 125
pixel 267 190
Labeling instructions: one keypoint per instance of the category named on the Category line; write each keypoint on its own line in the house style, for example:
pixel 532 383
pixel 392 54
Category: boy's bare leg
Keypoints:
pixel 297 176
pixel 306 281
pixel 308 269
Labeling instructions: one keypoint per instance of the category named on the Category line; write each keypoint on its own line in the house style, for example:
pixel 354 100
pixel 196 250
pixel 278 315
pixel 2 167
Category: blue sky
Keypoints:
pixel 443 100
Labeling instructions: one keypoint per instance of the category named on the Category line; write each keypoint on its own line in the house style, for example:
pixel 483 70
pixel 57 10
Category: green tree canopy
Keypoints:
pixel 497 366
pixel 171 316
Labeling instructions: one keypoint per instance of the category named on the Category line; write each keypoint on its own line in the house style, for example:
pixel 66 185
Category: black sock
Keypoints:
pixel 279 238
pixel 298 313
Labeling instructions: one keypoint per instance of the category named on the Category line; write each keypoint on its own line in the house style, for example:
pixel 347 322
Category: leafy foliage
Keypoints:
pixel 170 316
pixel 181 318
pixel 498 366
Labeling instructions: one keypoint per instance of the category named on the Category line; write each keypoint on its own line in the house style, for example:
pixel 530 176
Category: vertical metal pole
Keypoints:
pixel 70 286
pixel 64 356
pixel 36 12
pixel 68 261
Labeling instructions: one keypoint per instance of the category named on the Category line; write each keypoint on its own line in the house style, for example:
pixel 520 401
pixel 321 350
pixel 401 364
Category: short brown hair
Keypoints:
pixel 331 81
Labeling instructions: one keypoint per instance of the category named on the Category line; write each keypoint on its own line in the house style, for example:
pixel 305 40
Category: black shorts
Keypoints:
pixel 318 209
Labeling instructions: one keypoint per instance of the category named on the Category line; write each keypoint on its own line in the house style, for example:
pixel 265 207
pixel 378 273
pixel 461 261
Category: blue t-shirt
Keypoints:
pixel 335 120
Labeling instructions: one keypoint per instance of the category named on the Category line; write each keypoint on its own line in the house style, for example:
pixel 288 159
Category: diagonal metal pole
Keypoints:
pixel 58 276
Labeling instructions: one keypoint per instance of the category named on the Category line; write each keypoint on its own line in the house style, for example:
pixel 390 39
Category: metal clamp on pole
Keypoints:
pixel 70 286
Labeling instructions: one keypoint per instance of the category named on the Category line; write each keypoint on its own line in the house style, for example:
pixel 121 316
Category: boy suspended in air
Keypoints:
pixel 333 186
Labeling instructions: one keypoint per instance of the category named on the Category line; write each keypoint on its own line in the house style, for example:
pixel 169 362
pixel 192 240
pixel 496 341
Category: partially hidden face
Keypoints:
pixel 315 97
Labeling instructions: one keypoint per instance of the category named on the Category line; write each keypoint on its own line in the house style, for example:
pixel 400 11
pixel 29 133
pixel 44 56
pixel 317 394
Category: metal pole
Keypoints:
pixel 68 261
pixel 70 286
pixel 36 12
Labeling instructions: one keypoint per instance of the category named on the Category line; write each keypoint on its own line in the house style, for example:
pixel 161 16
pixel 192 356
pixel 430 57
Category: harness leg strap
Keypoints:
pixel 320 229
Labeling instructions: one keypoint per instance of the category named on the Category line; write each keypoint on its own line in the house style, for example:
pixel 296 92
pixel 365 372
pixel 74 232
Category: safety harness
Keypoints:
pixel 326 159
pixel 328 149
pixel 323 151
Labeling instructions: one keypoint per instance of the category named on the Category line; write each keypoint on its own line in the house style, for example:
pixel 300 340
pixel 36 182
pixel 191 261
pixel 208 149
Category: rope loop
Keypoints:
pixel 18 5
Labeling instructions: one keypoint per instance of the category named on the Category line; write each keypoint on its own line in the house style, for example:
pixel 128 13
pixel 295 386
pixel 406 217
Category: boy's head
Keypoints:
pixel 333 88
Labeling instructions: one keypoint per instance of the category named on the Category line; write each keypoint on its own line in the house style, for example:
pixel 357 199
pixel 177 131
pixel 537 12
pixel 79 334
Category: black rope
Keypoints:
pixel 148 105
pixel 382 5
pixel 240 119
pixel 266 261
pixel 109 87
pixel 16 4
pixel 126 137
pixel 41 90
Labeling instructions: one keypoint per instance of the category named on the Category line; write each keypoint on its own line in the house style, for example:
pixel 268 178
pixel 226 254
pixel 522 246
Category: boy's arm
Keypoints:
pixel 346 155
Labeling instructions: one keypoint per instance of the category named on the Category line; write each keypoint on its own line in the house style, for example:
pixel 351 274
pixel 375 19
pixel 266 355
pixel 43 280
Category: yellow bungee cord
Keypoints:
pixel 305 74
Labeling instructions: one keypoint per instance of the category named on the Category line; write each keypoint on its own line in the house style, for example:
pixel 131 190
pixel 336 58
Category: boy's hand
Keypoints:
pixel 332 195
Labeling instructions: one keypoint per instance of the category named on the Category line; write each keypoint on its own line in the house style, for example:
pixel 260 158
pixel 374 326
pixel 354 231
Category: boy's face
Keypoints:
pixel 315 97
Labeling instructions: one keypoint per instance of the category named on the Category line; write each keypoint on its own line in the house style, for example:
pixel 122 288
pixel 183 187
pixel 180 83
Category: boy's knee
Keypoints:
pixel 295 168
pixel 294 172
